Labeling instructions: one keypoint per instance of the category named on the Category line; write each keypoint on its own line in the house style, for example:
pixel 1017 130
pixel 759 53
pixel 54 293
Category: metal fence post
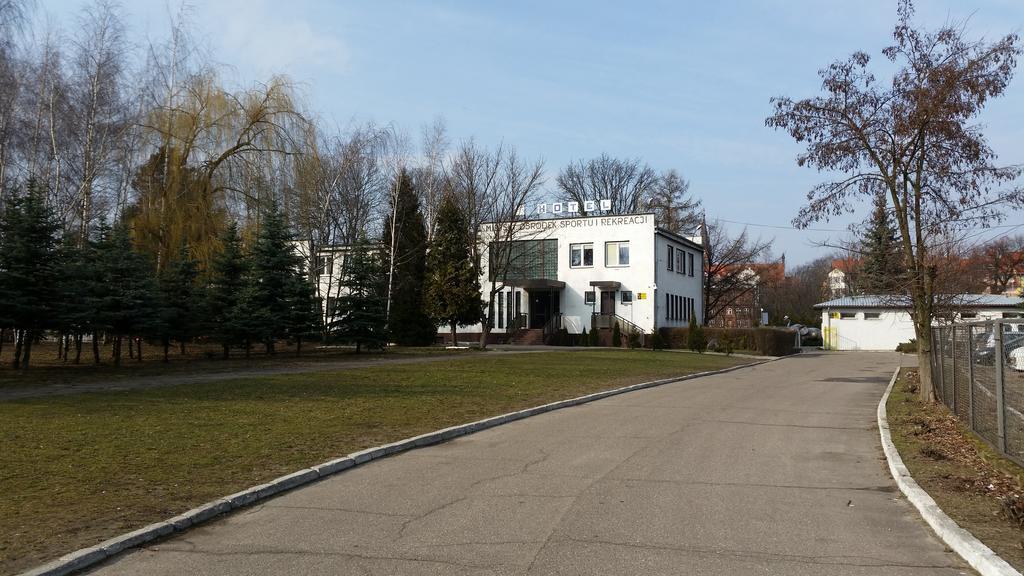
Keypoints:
pixel 970 376
pixel 1000 409
pixel 952 360
pixel 940 344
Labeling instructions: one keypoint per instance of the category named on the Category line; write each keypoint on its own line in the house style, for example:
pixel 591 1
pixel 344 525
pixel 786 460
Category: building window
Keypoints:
pixel 589 297
pixel 1012 315
pixel 680 262
pixel 671 259
pixel 523 260
pixel 627 297
pixel 872 315
pixel 324 265
pixel 616 254
pixel 668 306
pixel 501 309
pixel 691 264
pixel 968 315
pixel 847 315
pixel 581 255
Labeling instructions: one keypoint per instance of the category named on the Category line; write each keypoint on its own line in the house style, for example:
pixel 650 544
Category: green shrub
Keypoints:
pixel 657 340
pixel 616 336
pixel 595 337
pixel 907 347
pixel 633 340
pixel 584 339
pixel 696 339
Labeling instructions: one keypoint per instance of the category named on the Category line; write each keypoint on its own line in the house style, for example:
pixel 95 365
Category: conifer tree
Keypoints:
pixel 224 293
pixel 304 317
pixel 452 287
pixel 79 285
pixel 275 264
pixel 127 303
pixel 882 269
pixel 179 301
pixel 28 270
pixel 405 261
pixel 360 317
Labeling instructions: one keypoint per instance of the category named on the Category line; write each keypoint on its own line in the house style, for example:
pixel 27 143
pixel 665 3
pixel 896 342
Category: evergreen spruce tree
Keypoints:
pixel 882 270
pixel 79 285
pixel 304 316
pixel 452 287
pixel 28 270
pixel 179 301
pixel 405 242
pixel 127 305
pixel 275 264
pixel 227 283
pixel 361 316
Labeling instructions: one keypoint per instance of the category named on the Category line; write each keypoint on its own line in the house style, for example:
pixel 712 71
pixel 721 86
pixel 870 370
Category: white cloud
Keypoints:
pixel 265 38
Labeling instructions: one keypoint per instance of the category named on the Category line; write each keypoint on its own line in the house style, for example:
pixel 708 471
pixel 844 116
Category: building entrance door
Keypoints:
pixel 607 303
pixel 543 305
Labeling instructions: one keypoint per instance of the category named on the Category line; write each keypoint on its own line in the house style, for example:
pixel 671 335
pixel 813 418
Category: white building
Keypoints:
pixel 580 272
pixel 573 273
pixel 883 322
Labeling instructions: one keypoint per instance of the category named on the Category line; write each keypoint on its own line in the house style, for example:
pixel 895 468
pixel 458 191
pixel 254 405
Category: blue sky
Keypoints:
pixel 681 85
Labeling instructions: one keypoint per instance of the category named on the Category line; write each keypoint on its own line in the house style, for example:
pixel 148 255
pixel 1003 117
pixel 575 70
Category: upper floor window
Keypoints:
pixel 616 253
pixel 680 262
pixel 581 255
pixel 671 258
pixel 627 297
pixel 691 264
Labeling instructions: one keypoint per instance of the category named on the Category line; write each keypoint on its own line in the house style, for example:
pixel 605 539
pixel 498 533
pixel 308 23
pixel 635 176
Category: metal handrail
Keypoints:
pixel 554 324
pixel 626 326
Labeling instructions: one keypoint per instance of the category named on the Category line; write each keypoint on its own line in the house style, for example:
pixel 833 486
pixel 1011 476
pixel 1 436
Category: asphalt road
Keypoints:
pixel 774 469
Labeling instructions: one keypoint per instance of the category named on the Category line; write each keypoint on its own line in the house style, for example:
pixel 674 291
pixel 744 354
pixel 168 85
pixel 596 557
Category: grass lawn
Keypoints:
pixel 965 476
pixel 75 470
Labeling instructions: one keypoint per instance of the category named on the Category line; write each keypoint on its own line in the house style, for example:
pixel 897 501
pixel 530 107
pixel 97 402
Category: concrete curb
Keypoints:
pixel 979 556
pixel 88 557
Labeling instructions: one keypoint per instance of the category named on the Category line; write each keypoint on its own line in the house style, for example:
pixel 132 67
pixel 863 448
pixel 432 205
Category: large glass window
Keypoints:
pixel 581 255
pixel 691 264
pixel 524 260
pixel 501 308
pixel 680 262
pixel 671 258
pixel 616 254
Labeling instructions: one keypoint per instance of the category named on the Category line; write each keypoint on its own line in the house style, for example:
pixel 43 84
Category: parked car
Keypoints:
pixel 985 348
pixel 1015 359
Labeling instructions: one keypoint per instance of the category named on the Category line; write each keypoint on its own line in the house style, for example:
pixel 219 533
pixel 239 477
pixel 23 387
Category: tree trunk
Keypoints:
pixel 96 347
pixel 19 341
pixel 138 349
pixel 78 348
pixel 131 348
pixel 182 344
pixel 60 345
pixel 455 334
pixel 29 336
pixel 167 349
pixel 67 346
pixel 923 332
pixel 117 350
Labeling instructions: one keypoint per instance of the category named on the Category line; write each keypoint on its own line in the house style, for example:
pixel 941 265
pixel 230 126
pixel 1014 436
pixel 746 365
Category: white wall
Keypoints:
pixel 677 282
pixel 638 277
pixel 892 328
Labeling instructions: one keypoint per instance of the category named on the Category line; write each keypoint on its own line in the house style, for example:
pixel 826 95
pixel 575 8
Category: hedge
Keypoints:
pixel 764 341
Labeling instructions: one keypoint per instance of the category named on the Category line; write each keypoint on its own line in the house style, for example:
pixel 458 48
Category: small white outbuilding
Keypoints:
pixel 883 322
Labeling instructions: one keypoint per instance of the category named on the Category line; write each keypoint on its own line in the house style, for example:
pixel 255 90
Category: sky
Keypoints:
pixel 683 85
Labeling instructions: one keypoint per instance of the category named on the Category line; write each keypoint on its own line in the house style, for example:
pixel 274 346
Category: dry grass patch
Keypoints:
pixel 975 486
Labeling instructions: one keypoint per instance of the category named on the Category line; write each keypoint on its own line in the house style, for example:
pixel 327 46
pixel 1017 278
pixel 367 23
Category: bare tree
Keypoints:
pixel 912 139
pixel 473 176
pixel 98 109
pixel 1000 262
pixel 729 262
pixel 627 183
pixel 674 208
pixel 505 209
pixel 430 175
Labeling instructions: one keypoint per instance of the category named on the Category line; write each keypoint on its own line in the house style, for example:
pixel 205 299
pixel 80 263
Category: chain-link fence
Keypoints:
pixel 978 371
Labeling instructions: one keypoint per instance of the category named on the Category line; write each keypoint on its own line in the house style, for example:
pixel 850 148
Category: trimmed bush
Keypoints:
pixel 907 347
pixel 696 340
pixel 764 341
pixel 657 340
pixel 616 336
pixel 633 340
pixel 595 337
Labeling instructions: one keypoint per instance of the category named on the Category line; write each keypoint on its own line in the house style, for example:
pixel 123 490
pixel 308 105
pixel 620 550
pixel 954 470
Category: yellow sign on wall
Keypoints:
pixel 641 296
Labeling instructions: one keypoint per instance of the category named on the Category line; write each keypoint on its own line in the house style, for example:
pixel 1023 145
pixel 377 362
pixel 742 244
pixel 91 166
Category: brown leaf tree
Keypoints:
pixel 914 138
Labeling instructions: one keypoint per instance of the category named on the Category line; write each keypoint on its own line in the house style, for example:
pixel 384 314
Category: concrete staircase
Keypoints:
pixel 527 337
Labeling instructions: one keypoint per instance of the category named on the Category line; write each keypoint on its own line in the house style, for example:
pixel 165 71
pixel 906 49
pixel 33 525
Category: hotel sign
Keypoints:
pixel 589 206
pixel 586 222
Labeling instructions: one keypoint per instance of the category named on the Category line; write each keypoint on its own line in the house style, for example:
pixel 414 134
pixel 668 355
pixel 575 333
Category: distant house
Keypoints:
pixel 883 322
pixel 745 310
